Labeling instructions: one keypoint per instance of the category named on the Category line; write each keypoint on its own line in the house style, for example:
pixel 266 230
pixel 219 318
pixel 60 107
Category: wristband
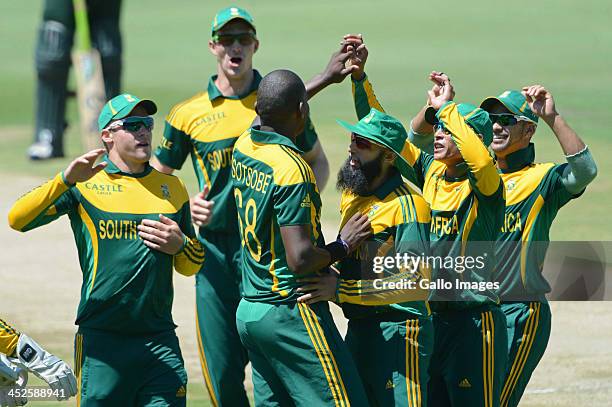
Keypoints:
pixel 337 251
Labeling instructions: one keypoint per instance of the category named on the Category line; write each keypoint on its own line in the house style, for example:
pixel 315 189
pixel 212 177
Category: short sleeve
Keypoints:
pixel 174 148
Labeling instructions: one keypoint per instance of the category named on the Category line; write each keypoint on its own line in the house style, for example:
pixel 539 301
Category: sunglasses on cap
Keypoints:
pixel 507 119
pixel 227 40
pixel 133 124
pixel 360 142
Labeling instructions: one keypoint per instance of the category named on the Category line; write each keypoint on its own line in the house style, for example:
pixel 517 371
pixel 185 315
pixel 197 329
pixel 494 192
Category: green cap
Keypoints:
pixel 228 14
pixel 514 101
pixel 121 106
pixel 476 117
pixel 381 129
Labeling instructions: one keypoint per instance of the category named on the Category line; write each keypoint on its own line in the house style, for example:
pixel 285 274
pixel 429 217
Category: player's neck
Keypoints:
pixel 126 166
pixel 280 128
pixel 234 86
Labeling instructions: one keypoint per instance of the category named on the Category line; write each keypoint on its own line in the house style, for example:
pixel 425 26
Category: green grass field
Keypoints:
pixel 486 47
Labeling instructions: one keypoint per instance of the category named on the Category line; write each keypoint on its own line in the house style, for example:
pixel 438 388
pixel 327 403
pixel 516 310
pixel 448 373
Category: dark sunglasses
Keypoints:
pixel 504 119
pixel 133 124
pixel 227 40
pixel 360 142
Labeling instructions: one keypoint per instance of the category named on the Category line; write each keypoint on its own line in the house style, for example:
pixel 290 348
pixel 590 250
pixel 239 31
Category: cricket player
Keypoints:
pixel 466 195
pixel 534 194
pixel 297 354
pixel 390 337
pixel 20 354
pixel 206 127
pixel 53 46
pixel 132 226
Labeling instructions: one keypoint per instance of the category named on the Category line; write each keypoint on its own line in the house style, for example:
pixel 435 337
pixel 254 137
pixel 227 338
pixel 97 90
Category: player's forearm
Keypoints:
pixel 27 211
pixel 364 97
pixel 317 84
pixel 308 260
pixel 472 149
pixel 320 168
pixel 570 142
pixel 581 170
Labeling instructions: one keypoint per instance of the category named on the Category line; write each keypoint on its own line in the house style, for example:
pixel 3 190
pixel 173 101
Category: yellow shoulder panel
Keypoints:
pixel 181 113
pixel 154 193
pixel 521 184
pixel 288 167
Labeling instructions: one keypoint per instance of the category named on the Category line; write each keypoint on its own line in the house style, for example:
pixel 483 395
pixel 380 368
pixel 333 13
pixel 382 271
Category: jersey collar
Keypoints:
pixel 268 137
pixel 215 93
pixel 388 186
pixel 111 168
pixel 520 159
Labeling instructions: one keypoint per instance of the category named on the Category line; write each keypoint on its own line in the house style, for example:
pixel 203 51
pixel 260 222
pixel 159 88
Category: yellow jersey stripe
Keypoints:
pixel 523 352
pixel 78 364
pixel 471 218
pixel 533 214
pixel 297 160
pixel 272 269
pixel 513 376
pixel 178 107
pixel 94 244
pixel 486 358
pixel 344 397
pixel 204 365
pixel 202 167
pixel 324 361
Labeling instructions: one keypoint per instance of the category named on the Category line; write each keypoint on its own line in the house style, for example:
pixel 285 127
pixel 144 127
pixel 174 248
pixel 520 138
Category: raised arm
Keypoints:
pixel 51 200
pixel 581 169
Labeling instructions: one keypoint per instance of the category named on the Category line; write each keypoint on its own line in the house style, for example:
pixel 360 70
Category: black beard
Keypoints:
pixel 358 180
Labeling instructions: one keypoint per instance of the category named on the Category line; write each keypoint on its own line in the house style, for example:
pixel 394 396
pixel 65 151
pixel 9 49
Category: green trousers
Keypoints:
pixel 122 370
pixel 392 352
pixel 528 326
pixel 469 359
pixel 222 356
pixel 298 356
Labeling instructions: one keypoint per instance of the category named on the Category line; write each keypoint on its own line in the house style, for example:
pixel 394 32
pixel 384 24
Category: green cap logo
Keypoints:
pixel 228 14
pixel 121 106
pixel 514 101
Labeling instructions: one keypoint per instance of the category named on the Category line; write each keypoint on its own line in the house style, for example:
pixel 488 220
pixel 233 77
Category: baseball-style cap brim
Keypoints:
pixel 364 132
pixel 523 110
pixel 121 106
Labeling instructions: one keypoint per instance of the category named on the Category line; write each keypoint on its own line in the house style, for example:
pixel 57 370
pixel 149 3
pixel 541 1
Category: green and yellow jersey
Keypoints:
pixel 127 287
pixel 534 195
pixel 400 221
pixel 9 337
pixel 463 210
pixel 273 187
pixel 206 127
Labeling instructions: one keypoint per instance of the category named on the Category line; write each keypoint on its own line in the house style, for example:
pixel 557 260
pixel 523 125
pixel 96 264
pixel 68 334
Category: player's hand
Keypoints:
pixel 441 92
pixel 354 44
pixel 338 66
pixel 319 288
pixel 438 79
pixel 540 101
pixel 58 375
pixel 356 230
pixel 12 378
pixel 164 235
pixel 83 168
pixel 201 208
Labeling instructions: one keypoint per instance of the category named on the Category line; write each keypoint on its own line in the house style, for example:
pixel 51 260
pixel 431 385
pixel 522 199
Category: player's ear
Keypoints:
pixel 256 46
pixel 389 156
pixel 529 130
pixel 106 138
pixel 211 47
